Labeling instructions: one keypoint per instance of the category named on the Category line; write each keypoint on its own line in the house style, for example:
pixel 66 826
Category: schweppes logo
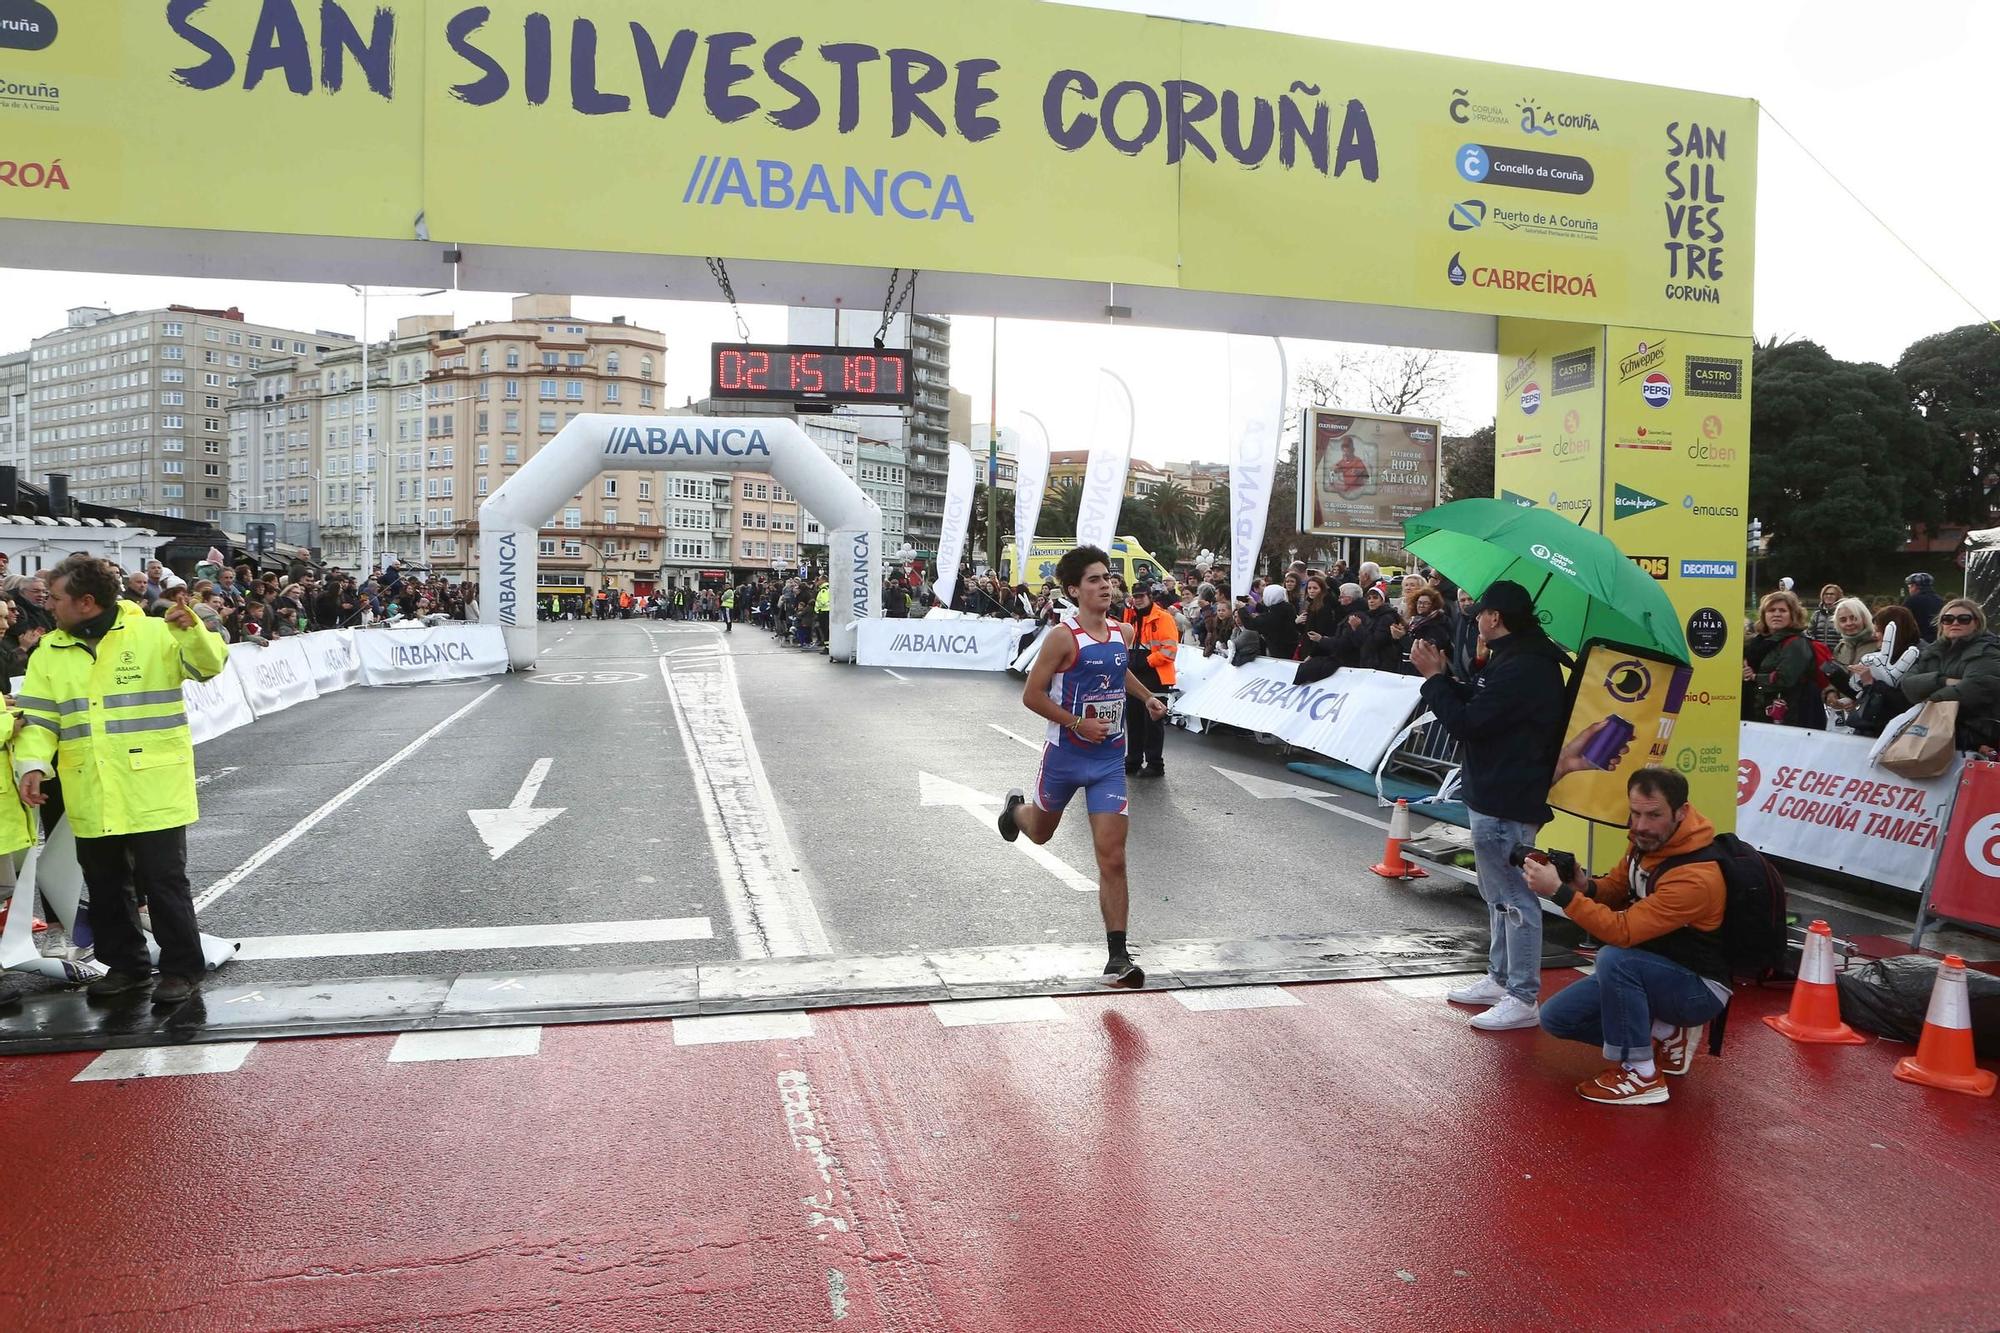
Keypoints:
pixel 1626 502
pixel 1658 566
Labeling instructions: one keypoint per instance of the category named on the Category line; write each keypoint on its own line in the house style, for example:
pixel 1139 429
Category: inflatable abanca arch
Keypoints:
pixel 511 519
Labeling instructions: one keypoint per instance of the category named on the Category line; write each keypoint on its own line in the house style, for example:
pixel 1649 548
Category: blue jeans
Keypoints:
pixel 1616 1004
pixel 1513 911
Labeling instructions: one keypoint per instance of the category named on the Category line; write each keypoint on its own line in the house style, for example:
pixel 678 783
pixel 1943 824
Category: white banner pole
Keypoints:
pixel 1256 423
pixel 1110 456
pixel 957 514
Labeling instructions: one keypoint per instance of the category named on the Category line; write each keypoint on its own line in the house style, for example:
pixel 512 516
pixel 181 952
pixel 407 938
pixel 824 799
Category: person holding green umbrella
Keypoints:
pixel 1509 722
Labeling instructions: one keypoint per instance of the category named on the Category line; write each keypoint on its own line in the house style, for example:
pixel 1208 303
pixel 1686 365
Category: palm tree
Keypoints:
pixel 1173 508
pixel 975 531
pixel 1212 529
pixel 1059 509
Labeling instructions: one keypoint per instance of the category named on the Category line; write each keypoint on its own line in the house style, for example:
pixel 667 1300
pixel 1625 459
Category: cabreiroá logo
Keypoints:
pixel 1456 272
pixel 1625 502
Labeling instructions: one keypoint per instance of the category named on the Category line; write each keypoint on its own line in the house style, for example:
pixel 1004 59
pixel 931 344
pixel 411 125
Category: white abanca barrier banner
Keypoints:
pixel 511 519
pixel 1352 716
pixel 273 678
pixel 454 651
pixel 335 662
pixel 961 645
pixel 217 705
pixel 1813 797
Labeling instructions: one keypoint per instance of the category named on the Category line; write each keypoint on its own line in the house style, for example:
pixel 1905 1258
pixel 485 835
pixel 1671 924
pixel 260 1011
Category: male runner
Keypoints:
pixel 1078 684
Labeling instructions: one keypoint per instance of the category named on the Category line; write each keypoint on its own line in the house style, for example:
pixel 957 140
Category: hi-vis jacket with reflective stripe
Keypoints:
pixel 17 826
pixel 114 722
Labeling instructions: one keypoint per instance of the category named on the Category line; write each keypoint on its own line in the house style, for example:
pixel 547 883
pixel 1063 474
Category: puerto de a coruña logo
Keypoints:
pixel 1466 214
pixel 1456 272
pixel 26 25
pixel 1657 390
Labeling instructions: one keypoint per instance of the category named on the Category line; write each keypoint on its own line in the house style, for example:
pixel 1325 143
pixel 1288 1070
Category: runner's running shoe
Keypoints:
pixel 1008 828
pixel 1124 973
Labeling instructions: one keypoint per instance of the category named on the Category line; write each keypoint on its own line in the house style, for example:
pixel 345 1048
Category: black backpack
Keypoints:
pixel 1753 936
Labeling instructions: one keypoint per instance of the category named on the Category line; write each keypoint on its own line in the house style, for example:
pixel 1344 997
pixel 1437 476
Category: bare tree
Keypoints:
pixel 1404 381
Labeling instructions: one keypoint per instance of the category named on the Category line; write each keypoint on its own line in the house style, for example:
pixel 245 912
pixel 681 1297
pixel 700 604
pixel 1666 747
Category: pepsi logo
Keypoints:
pixel 1531 399
pixel 1656 389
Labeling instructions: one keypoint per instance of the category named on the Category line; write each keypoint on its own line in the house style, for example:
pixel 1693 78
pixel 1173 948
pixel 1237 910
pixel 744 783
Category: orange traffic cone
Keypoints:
pixel 1815 1013
pixel 1944 1051
pixel 1393 865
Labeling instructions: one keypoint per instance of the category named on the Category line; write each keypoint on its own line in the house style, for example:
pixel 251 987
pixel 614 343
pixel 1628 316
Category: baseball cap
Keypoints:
pixel 1509 598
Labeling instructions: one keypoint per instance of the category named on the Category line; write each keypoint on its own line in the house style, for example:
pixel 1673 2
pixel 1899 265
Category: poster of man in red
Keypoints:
pixel 1364 474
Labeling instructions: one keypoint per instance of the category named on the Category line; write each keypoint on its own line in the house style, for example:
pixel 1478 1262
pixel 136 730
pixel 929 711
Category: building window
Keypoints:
pixel 572 388
pixel 546 422
pixel 611 362
pixel 611 393
pixel 547 545
pixel 610 517
pixel 611 488
pixel 572 548
pixel 572 518
pixel 512 389
pixel 510 422
pixel 513 358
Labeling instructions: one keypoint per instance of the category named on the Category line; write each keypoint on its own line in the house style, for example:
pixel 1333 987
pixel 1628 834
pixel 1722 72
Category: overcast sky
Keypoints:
pixel 1896 107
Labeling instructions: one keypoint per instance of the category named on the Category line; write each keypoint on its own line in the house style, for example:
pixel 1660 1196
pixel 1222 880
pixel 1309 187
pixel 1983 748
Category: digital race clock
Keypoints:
pixel 791 373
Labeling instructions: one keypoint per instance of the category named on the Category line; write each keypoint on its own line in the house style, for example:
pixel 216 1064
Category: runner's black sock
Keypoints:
pixel 1116 939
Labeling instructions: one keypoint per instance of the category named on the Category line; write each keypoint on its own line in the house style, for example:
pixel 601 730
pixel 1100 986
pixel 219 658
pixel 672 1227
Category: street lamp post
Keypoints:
pixel 367 398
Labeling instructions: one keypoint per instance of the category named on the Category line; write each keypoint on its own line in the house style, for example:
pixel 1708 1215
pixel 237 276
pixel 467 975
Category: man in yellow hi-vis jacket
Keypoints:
pixel 103 702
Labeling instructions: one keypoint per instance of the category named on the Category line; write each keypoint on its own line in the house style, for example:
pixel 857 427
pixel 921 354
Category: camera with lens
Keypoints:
pixel 1564 862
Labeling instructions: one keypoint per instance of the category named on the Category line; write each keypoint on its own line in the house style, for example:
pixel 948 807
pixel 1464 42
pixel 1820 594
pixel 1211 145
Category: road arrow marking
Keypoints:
pixel 504 830
pixel 207 778
pixel 934 790
pixel 1015 735
pixel 255 995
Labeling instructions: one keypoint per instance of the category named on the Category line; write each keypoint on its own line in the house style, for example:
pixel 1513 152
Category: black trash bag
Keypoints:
pixel 1890 997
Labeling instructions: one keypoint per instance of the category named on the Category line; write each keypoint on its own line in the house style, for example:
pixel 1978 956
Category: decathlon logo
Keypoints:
pixel 837 192
pixel 732 441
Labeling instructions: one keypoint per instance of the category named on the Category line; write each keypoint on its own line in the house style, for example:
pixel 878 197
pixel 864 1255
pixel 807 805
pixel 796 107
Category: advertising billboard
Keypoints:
pixel 1362 474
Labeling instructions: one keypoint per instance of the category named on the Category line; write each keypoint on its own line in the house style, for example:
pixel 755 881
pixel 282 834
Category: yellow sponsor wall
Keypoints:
pixel 1665 469
pixel 1677 473
pixel 1013 137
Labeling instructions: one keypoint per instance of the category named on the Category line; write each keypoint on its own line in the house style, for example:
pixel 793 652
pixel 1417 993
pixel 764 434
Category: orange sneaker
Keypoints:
pixel 1675 1054
pixel 1619 1086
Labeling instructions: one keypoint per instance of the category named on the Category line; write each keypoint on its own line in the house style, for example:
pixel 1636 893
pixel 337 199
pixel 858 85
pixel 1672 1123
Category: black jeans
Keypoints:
pixel 1144 737
pixel 155 864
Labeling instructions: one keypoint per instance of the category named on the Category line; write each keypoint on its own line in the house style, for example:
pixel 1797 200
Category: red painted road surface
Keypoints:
pixel 1358 1160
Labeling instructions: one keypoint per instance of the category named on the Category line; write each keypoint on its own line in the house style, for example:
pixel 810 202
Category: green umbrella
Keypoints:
pixel 1583 586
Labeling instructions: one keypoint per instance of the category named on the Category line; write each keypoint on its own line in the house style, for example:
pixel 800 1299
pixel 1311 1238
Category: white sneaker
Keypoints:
pixel 1483 991
pixel 1507 1015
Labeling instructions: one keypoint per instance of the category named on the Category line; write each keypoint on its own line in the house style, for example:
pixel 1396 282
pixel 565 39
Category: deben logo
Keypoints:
pixel 1625 502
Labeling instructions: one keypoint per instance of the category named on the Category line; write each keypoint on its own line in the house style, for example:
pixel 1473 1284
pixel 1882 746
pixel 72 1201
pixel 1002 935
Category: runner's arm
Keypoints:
pixel 1058 654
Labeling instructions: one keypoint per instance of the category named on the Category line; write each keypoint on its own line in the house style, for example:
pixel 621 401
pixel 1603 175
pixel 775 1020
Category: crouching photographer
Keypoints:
pixel 1663 974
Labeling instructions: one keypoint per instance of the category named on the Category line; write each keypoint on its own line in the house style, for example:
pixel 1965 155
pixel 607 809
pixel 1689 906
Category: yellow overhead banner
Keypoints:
pixel 1010 137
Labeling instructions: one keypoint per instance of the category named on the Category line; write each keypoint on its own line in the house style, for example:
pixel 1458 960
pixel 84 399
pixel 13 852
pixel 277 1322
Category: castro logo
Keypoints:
pixel 1657 390
pixel 1982 846
pixel 1747 777
pixel 1531 399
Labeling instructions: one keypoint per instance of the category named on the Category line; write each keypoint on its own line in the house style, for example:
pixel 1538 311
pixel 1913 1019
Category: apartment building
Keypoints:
pixel 494 394
pixel 134 406
pixel 1068 466
pixel 923 431
pixel 14 411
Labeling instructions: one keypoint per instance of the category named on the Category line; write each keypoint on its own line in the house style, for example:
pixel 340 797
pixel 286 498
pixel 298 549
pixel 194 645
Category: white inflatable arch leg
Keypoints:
pixel 511 519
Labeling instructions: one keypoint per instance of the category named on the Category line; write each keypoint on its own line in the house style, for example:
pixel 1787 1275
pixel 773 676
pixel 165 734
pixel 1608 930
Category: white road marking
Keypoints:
pixel 1015 735
pixel 1208 999
pixel 206 778
pixel 1902 922
pixel 461 939
pixel 705 1029
pixel 1428 988
pixel 1024 1009
pixel 934 790
pixel 897 674
pixel 306 825
pixel 504 830
pixel 770 905
pixel 220 1057
pixel 465 1044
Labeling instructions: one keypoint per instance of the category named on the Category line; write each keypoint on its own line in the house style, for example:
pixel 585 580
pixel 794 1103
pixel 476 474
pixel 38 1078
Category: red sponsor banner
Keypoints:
pixel 1967 887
